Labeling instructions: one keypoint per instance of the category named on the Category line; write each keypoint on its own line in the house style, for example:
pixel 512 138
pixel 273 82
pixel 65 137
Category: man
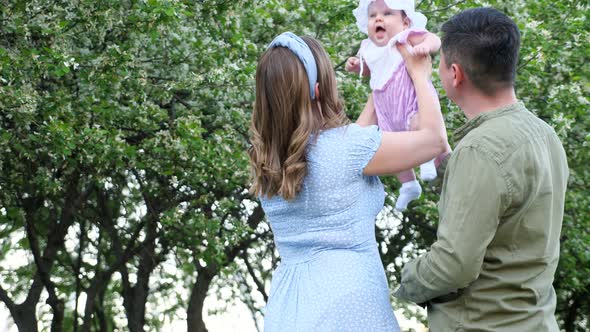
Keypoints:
pixel 501 206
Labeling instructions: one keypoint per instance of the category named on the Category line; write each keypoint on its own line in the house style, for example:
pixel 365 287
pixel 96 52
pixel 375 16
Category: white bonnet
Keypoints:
pixel 418 20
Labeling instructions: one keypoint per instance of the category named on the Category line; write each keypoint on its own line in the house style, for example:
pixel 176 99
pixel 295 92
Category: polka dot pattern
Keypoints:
pixel 330 277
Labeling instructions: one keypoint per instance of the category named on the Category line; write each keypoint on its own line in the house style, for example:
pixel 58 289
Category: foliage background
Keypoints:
pixel 123 171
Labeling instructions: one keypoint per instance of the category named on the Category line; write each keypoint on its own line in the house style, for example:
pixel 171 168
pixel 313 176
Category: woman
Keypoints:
pixel 315 175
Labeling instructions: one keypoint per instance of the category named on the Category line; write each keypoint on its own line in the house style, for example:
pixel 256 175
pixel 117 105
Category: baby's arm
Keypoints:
pixel 424 44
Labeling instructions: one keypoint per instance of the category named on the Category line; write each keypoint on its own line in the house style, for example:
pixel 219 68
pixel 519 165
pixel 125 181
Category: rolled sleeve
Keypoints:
pixel 474 196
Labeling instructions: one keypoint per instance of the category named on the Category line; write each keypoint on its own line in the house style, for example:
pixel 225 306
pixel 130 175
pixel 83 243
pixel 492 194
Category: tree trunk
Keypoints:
pixel 569 323
pixel 102 278
pixel 25 318
pixel 44 259
pixel 135 298
pixel 57 306
pixel 195 321
pixel 134 301
pixel 135 315
pixel 102 319
pixel 24 314
pixel 93 297
pixel 77 270
pixel 91 294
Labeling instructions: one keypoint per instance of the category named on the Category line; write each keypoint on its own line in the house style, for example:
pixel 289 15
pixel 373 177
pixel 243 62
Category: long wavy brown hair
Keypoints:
pixel 285 117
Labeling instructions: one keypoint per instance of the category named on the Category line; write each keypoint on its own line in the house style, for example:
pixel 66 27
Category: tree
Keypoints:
pixel 124 129
pixel 113 128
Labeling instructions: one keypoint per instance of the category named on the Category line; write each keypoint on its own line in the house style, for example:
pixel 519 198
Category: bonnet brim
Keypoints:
pixel 361 13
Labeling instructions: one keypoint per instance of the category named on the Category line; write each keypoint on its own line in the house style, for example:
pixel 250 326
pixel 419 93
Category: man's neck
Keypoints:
pixel 477 103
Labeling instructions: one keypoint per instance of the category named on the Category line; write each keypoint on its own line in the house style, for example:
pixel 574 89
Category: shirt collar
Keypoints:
pixel 483 117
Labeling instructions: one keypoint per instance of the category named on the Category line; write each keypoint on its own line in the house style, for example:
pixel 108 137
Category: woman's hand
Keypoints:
pixel 419 66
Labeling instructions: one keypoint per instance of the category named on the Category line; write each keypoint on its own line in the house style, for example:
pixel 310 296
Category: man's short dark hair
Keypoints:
pixel 485 42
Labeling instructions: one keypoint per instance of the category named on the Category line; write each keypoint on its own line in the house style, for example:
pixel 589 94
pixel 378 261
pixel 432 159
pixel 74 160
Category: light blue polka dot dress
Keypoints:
pixel 330 277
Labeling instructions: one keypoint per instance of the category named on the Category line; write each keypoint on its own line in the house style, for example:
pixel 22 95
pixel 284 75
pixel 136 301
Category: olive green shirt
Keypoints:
pixel 501 208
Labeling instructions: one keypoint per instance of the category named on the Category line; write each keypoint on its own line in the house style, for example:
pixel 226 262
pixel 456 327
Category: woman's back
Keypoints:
pixel 330 276
pixel 337 205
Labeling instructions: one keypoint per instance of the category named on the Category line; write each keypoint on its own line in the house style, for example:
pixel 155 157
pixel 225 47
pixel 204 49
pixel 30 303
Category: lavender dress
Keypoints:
pixel 330 277
pixel 394 94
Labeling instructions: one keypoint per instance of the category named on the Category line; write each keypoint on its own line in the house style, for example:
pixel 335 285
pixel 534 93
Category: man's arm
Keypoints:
pixel 440 162
pixel 474 196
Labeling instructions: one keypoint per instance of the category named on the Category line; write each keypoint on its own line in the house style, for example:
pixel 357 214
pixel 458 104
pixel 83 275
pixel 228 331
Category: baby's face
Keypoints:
pixel 384 23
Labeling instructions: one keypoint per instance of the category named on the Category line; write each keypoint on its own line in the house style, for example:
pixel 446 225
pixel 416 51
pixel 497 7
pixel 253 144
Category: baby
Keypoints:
pixel 387 22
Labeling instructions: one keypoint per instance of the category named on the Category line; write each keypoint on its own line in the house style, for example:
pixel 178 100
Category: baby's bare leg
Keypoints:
pixel 406 176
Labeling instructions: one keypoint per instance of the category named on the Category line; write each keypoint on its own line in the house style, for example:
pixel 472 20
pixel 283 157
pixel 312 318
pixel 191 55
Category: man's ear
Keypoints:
pixel 317 91
pixel 458 74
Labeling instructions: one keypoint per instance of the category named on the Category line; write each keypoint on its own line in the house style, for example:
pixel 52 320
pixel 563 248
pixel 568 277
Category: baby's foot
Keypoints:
pixel 407 193
pixel 428 171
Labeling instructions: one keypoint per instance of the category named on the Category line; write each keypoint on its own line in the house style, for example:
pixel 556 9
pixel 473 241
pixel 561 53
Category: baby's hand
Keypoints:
pixel 420 50
pixel 418 66
pixel 353 64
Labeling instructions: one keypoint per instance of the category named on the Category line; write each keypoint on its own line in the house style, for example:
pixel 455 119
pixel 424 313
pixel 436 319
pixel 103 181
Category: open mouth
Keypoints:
pixel 379 29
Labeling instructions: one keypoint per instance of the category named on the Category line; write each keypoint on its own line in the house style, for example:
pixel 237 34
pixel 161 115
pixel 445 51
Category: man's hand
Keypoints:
pixel 353 65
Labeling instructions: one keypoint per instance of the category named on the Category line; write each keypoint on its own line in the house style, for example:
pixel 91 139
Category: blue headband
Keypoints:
pixel 303 52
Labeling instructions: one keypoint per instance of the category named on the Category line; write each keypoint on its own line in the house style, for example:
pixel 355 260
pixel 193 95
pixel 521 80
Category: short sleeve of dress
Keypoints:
pixel 362 143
